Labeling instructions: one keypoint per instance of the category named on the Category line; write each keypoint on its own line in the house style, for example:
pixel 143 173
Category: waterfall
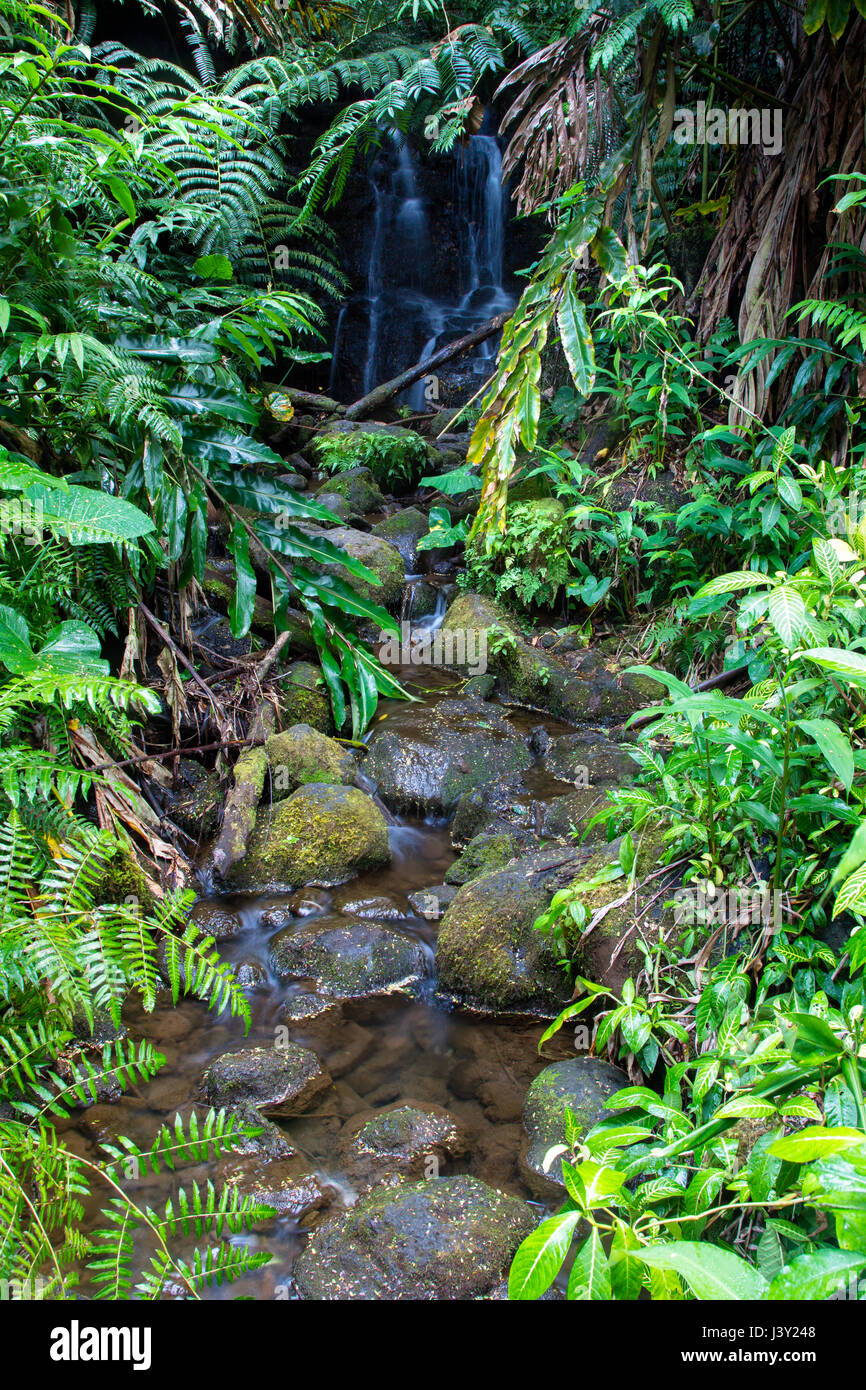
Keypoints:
pixel 428 282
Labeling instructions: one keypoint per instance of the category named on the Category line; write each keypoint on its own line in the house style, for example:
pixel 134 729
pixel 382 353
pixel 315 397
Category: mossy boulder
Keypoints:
pixel 404 530
pixel 380 557
pixel 320 835
pixel 588 686
pixel 357 488
pixel 121 879
pixel 444 1239
pixel 405 1140
pixel 304 697
pixel 485 854
pixel 432 903
pixel 488 954
pixel 581 1085
pixel 302 754
pixel 337 504
pixel 283 1080
pixel 346 959
pixel 587 759
pixel 424 764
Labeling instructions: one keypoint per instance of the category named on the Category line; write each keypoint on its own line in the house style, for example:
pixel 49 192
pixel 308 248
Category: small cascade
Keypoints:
pixel 429 282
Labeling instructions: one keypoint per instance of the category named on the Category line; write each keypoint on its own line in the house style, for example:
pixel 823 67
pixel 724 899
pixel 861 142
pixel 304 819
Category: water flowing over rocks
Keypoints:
pixel 448 1238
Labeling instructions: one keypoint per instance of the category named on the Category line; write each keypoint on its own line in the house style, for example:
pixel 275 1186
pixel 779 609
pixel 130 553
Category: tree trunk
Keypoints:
pixel 380 394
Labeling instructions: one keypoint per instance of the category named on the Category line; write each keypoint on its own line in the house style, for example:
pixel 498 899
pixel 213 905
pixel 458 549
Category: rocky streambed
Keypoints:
pixel 380 920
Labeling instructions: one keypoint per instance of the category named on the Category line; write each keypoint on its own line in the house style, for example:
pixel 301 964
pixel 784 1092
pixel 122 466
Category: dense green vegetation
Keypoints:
pixel 166 263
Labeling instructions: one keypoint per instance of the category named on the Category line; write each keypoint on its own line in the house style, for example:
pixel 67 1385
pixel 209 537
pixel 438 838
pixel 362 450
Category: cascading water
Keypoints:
pixel 427 283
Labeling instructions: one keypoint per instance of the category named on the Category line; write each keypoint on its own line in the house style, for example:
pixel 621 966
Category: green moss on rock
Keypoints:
pixel 319 835
pixel 580 1085
pixel 302 754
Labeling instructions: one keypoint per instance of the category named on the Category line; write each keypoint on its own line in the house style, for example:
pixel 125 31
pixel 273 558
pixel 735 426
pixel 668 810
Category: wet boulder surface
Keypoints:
pixel 347 959
pixel 283 1080
pixel 423 763
pixel 444 1238
pixel 579 1085
pixel 405 1140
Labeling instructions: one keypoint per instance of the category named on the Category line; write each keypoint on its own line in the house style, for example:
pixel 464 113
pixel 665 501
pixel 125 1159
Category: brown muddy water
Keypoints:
pixel 379 1051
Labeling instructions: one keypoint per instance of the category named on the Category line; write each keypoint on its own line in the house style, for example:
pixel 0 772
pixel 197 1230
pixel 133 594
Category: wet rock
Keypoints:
pixel 568 816
pixel 587 759
pixel 300 1008
pixel 587 686
pixel 503 805
pixel 214 920
pixel 357 487
pixel 283 1080
pixel 480 687
pixel 382 558
pixel 419 601
pixel 310 901
pixel 295 482
pixel 279 1185
pixel 304 697
pixel 269 1144
pixel 449 748
pixel 302 754
pixel 347 960
pixel 448 1238
pixel 319 835
pixel 404 530
pixel 488 953
pixel 433 902
pixel 487 852
pixel 381 907
pixel 409 1140
pixel 581 1085
pixel 251 974
pixel 339 505
pixel 102 1088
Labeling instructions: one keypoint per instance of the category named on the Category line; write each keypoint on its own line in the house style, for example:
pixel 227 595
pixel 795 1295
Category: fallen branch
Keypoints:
pixel 380 394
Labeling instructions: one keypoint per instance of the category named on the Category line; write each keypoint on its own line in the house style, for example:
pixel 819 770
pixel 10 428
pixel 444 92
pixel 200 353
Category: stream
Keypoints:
pixel 394 1048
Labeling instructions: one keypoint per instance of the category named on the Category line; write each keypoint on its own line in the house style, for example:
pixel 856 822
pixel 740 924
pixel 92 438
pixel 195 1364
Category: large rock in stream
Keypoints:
pixel 444 1239
pixel 276 1080
pixel 347 959
pixel 580 1085
pixel 401 1142
pixel 489 955
pixel 425 760
pixel 321 834
pixel 302 754
pixel 586 686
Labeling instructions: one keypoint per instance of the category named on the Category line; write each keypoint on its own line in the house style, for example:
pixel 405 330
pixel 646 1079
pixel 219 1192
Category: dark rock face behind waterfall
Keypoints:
pixel 428 263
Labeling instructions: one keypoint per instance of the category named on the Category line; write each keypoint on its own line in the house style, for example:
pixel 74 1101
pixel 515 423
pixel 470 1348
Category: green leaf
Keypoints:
pixel 710 1272
pixel 787 613
pixel 590 1274
pixel 816 1141
pixel 834 745
pixel 576 339
pixel 539 1258
pixel 815 1275
pixel 88 517
pixel 120 192
pixel 213 267
pixel 244 598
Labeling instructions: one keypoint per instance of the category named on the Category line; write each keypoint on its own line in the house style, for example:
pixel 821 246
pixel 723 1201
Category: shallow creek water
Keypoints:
pixel 379 1051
